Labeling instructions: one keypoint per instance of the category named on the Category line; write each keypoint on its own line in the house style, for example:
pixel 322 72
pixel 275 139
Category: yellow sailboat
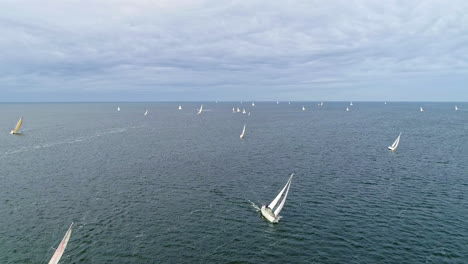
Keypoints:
pixel 17 127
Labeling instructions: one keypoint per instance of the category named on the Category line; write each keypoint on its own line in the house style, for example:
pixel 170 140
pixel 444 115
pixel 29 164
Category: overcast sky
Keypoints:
pixel 233 50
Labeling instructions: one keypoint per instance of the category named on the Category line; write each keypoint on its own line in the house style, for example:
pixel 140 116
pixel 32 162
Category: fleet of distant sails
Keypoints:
pixel 269 212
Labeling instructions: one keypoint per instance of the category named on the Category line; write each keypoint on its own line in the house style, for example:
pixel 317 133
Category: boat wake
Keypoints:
pixel 254 206
pixel 69 141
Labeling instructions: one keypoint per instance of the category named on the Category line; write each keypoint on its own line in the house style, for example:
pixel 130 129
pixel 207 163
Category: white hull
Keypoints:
pixel 15 133
pixel 391 148
pixel 269 215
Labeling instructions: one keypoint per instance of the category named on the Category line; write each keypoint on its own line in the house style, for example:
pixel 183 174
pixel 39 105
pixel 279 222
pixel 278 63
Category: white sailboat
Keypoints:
pixel 243 132
pixel 253 104
pixel 385 103
pixel 351 103
pixel 347 108
pixel 289 102
pixel 238 110
pixel 17 127
pixel 61 248
pixel 303 108
pixel 146 112
pixel 272 214
pixel 456 108
pixel 118 108
pixel 180 107
pixel 421 109
pixel 277 102
pixel 321 103
pixel 243 111
pixel 395 144
pixel 233 110
pixel 200 110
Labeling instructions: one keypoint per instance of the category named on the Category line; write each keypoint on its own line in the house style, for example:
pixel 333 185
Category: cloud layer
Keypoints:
pixel 233 50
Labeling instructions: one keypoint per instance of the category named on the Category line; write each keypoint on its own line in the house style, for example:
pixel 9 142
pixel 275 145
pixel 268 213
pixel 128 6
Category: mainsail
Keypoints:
pixel 395 144
pixel 278 197
pixel 200 110
pixel 243 132
pixel 18 125
pixel 61 248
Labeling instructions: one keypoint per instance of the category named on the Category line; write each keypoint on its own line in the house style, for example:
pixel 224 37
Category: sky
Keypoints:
pixel 178 50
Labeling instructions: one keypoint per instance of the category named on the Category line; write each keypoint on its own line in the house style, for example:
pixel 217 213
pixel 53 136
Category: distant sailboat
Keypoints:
pixel 321 103
pixel 385 103
pixel 303 108
pixel 347 108
pixel 456 108
pixel 118 108
pixel 351 103
pixel 289 102
pixel 243 132
pixel 238 110
pixel 61 248
pixel 268 213
pixel 395 144
pixel 243 111
pixel 233 110
pixel 277 102
pixel 253 104
pixel 180 107
pixel 146 112
pixel 200 110
pixel 421 109
pixel 17 127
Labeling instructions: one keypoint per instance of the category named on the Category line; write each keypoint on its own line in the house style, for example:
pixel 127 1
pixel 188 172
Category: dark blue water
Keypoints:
pixel 176 187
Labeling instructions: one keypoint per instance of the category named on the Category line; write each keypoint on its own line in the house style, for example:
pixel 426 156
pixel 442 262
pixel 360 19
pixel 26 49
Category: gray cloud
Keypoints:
pixel 234 50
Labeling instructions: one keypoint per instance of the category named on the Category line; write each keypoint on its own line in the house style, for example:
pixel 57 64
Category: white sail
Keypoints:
pixel 243 110
pixel 61 248
pixel 421 109
pixel 17 127
pixel 118 108
pixel 243 132
pixel 253 104
pixel 321 103
pixel 289 102
pixel 385 103
pixel 238 110
pixel 303 108
pixel 456 108
pixel 395 144
pixel 180 107
pixel 277 102
pixel 233 110
pixel 280 206
pixel 146 112
pixel 347 108
pixel 200 110
pixel 277 198
pixel 351 103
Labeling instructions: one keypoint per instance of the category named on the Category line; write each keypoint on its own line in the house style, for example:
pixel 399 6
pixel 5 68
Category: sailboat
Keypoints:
pixel 351 103
pixel 385 103
pixel 277 102
pixel 253 104
pixel 61 248
pixel 456 108
pixel 289 102
pixel 180 107
pixel 200 110
pixel 243 132
pixel 303 108
pixel 421 109
pixel 268 212
pixel 321 103
pixel 243 110
pixel 347 108
pixel 17 127
pixel 146 112
pixel 238 110
pixel 233 110
pixel 118 108
pixel 395 144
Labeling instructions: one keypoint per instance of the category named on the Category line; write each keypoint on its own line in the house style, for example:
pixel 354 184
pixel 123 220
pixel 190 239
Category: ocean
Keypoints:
pixel 177 187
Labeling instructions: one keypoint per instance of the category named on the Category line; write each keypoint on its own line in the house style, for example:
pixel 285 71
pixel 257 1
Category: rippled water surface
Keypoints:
pixel 176 187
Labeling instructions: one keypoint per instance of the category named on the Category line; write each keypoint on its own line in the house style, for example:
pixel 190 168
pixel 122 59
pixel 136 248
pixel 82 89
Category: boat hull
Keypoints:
pixel 391 149
pixel 15 133
pixel 269 215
